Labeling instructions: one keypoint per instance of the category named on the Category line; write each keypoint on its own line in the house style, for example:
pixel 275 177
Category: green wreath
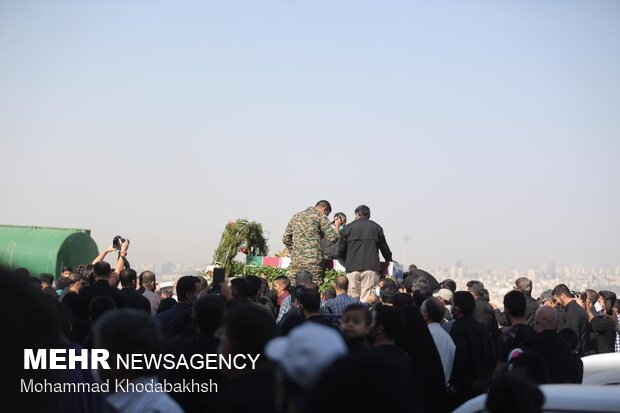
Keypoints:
pixel 240 236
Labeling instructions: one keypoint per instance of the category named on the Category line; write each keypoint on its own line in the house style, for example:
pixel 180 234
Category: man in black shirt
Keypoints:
pixel 473 358
pixel 388 323
pixel 359 245
pixel 575 317
pixel 554 350
pixel 101 287
pixel 483 313
pixel 519 330
pixel 247 331
pixel 131 298
pixel 524 285
pixel 46 284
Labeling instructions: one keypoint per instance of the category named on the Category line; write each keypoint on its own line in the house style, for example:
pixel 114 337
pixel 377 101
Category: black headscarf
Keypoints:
pixel 425 370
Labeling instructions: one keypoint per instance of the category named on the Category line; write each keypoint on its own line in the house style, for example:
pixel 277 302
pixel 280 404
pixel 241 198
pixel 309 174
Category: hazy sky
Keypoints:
pixel 485 131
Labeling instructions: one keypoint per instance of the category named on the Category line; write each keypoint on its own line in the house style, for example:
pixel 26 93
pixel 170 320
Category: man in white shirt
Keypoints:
pixel 433 311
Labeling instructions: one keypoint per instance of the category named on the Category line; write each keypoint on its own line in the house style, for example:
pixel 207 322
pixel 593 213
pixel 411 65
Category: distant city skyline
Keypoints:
pixel 486 132
pixel 498 281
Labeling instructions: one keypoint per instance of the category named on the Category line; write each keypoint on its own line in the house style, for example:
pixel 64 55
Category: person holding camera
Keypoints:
pixel 121 245
pixel 330 248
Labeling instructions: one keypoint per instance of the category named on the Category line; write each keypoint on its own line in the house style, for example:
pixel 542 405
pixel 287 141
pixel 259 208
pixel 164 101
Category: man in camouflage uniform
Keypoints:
pixel 303 236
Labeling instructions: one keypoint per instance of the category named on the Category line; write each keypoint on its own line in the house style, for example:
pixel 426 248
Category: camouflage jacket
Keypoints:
pixel 303 236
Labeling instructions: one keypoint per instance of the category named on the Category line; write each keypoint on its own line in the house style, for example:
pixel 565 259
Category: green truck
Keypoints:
pixel 45 250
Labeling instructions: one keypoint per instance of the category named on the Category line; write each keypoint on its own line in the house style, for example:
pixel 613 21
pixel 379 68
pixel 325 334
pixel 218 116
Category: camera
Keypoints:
pixel 117 241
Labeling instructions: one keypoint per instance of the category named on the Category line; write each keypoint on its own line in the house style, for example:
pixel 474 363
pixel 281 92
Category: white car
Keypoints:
pixel 573 398
pixel 602 369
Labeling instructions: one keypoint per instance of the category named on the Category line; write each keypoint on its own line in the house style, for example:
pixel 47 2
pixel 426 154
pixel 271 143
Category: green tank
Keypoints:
pixel 41 249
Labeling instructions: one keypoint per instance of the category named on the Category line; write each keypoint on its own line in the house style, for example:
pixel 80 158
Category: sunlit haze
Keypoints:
pixel 486 132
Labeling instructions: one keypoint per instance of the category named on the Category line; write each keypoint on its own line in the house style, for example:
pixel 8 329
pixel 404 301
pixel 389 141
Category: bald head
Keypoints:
pixel 342 284
pixel 147 280
pixel 545 319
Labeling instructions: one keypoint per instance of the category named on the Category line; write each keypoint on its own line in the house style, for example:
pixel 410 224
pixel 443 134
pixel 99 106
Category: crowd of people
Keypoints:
pixel 367 343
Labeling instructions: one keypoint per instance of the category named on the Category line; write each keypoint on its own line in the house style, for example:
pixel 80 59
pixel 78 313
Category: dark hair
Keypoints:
pixel 147 278
pixel 449 284
pixel 388 292
pixel 562 289
pixel 433 309
pixel 21 274
pixel 363 211
pixel 100 305
pixel 514 301
pixel 476 288
pixel 531 365
pixel 285 280
pixel 465 301
pixel 511 393
pixel 324 204
pixel 241 288
pixel 524 285
pixel 310 300
pixel 89 274
pixel 342 217
pixel 362 308
pixel 208 313
pixel 610 300
pixel 186 285
pixel 264 287
pixel 402 299
pixel 102 269
pixel 128 277
pixel 90 278
pixel 342 283
pixel 419 296
pixel 67 268
pixel 75 277
pixel 591 295
pixel 391 319
pixel 303 277
pixel 47 278
pixel 129 331
pixel 254 285
pixel 248 328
